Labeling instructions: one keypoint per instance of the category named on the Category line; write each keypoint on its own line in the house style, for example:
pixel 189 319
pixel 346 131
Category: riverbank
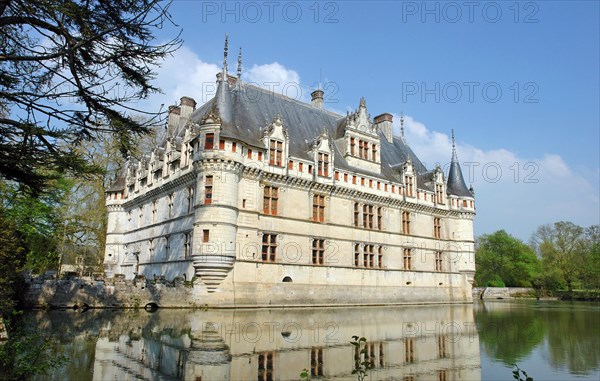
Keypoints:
pixel 494 293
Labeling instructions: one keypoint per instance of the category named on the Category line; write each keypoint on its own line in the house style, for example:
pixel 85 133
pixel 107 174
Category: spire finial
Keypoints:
pixel 402 127
pixel 225 56
pixel 239 69
pixel 453 147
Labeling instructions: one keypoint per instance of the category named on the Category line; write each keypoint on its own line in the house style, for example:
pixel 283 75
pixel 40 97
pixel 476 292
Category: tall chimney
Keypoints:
pixel 317 98
pixel 188 105
pixel 383 123
pixel 173 120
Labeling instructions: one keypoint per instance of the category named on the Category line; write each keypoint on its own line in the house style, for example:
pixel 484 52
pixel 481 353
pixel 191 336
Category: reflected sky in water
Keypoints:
pixel 550 340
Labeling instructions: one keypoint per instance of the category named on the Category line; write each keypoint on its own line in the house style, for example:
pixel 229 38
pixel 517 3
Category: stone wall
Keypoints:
pixel 502 292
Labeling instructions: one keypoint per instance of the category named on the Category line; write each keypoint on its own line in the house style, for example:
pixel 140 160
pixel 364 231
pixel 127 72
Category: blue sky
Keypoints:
pixel 517 81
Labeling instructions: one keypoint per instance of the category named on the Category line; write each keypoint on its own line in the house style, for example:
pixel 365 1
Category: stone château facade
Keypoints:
pixel 265 200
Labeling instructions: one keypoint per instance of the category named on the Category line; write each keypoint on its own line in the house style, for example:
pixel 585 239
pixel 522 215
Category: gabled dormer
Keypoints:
pixel 276 140
pixel 439 185
pixel 409 178
pixel 186 144
pixel 142 172
pixel 322 154
pixel 209 129
pixel 361 145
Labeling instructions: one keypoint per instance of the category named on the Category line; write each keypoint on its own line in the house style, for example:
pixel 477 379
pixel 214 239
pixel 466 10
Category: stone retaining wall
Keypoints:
pixel 502 292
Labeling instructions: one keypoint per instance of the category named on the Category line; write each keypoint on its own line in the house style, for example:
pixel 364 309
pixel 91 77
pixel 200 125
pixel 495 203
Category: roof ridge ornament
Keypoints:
pixel 454 156
pixel 225 49
pixel 402 127
pixel 239 67
pixel 363 102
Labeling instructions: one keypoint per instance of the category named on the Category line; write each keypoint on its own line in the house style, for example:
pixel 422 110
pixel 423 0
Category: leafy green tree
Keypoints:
pixel 502 259
pixel 563 250
pixel 70 69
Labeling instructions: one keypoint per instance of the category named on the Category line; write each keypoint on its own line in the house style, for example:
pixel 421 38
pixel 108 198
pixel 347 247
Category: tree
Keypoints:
pixel 70 69
pixel 563 250
pixel 504 259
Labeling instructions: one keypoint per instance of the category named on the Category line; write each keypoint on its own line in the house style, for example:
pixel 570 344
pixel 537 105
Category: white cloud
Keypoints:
pixel 185 74
pixel 513 192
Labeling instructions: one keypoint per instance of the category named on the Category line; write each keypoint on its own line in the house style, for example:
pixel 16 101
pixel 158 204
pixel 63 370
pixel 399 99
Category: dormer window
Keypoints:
pixel 408 183
pixel 323 164
pixel 275 152
pixel 439 193
pixel 209 141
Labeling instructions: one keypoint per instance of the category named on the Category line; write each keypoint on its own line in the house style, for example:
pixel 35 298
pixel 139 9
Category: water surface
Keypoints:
pixel 550 340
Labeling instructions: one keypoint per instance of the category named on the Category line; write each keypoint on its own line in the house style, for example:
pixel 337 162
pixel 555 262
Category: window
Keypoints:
pixel 352 146
pixel 362 181
pixel 380 218
pixel 405 223
pixel 369 251
pixel 205 236
pixel 249 153
pixel 370 183
pixel 442 375
pixel 464 203
pixel 209 141
pixel 380 257
pixel 407 259
pixel 368 216
pixel 439 192
pixel 154 211
pixel 374 152
pixel 318 208
pixel 356 214
pixel 409 350
pixel 290 164
pixel 170 199
pixel 265 366
pixel 318 251
pixel 438 261
pixel 442 346
pixel 270 200
pixel 337 175
pixel 167 246
pixel 409 186
pixel 353 179
pixel 190 199
pixel 269 246
pixel 316 362
pixel 221 144
pixel 310 169
pixel 365 256
pixel 300 167
pixel 345 177
pixel 187 246
pixel 275 153
pixel 323 165
pixel 260 154
pixel 357 255
pixel 471 204
pixel 234 147
pixel 208 190
pixel 151 248
pixel 379 185
pixel 437 228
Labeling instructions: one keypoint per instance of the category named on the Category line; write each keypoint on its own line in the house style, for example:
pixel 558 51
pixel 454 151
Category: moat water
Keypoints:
pixel 549 340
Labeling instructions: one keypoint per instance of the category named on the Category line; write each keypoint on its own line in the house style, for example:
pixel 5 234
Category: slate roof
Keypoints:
pixel 245 111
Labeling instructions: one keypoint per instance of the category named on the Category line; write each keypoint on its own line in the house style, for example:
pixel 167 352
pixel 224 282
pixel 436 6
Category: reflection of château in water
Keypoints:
pixel 272 201
pixel 434 342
